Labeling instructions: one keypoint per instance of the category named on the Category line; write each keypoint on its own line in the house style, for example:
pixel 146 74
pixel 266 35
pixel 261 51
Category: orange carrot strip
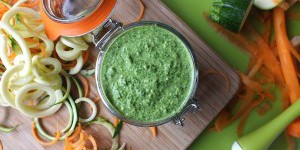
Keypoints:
pixel 264 108
pixel 36 136
pixel 285 98
pixel 253 85
pixel 91 138
pixel 294 52
pixel 283 45
pixel 141 14
pixel 116 121
pixel 85 83
pixel 12 56
pixel 268 57
pixel 268 76
pixel 83 137
pixel 267 32
pixel 255 69
pixel 244 117
pixel 1 146
pixel 75 134
pixel 31 3
pixel 222 120
pixel 154 131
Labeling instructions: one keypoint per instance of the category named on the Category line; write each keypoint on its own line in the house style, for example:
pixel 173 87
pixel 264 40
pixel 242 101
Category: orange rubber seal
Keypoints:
pixel 56 29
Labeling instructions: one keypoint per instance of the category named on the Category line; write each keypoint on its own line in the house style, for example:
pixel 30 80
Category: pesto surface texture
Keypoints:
pixel 147 74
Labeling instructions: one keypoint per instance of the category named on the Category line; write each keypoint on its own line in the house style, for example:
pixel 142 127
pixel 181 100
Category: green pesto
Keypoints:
pixel 147 74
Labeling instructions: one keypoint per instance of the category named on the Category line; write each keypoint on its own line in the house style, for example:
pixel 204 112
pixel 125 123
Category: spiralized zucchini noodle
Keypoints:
pixel 34 78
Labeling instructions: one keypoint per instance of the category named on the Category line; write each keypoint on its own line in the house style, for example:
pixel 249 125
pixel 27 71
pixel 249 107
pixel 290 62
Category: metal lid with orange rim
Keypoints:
pixel 74 18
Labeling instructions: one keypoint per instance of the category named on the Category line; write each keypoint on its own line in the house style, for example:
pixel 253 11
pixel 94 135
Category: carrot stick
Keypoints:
pixel 36 136
pixel 286 60
pixel 116 121
pixel 154 131
pixel 141 14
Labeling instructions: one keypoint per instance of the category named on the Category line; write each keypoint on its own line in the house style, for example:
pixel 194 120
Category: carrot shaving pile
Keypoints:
pixel 273 62
pixel 78 140
pixel 37 137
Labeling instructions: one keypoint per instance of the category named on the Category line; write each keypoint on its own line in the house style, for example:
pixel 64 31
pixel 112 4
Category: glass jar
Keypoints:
pixel 108 38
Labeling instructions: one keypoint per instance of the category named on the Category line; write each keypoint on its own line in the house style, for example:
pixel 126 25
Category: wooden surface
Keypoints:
pixel 212 94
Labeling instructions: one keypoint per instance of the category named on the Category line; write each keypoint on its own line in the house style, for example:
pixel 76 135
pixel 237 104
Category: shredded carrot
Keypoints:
pixel 255 69
pixel 116 121
pixel 36 136
pixel 85 83
pixel 154 131
pixel 255 86
pixel 12 56
pixel 31 3
pixel 294 52
pixel 285 98
pixel 97 99
pixel 222 120
pixel 264 108
pixel 141 14
pixel 283 45
pixel 1 146
pixel 214 72
pixel 244 117
pixel 75 134
pixel 266 77
pixel 267 32
pixel 268 57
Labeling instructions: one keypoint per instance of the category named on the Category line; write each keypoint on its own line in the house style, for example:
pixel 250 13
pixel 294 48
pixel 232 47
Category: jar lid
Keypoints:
pixel 74 18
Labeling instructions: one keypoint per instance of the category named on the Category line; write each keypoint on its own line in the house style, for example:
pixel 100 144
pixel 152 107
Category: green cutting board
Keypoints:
pixel 192 12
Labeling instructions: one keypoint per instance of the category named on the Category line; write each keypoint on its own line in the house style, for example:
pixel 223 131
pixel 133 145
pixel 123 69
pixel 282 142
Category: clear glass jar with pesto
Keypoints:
pixel 146 73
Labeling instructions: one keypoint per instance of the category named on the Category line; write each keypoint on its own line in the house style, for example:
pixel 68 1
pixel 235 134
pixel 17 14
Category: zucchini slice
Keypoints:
pixel 267 4
pixel 231 14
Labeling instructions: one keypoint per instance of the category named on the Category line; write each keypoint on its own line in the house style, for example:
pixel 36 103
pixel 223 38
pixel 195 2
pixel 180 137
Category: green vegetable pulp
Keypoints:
pixel 147 74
